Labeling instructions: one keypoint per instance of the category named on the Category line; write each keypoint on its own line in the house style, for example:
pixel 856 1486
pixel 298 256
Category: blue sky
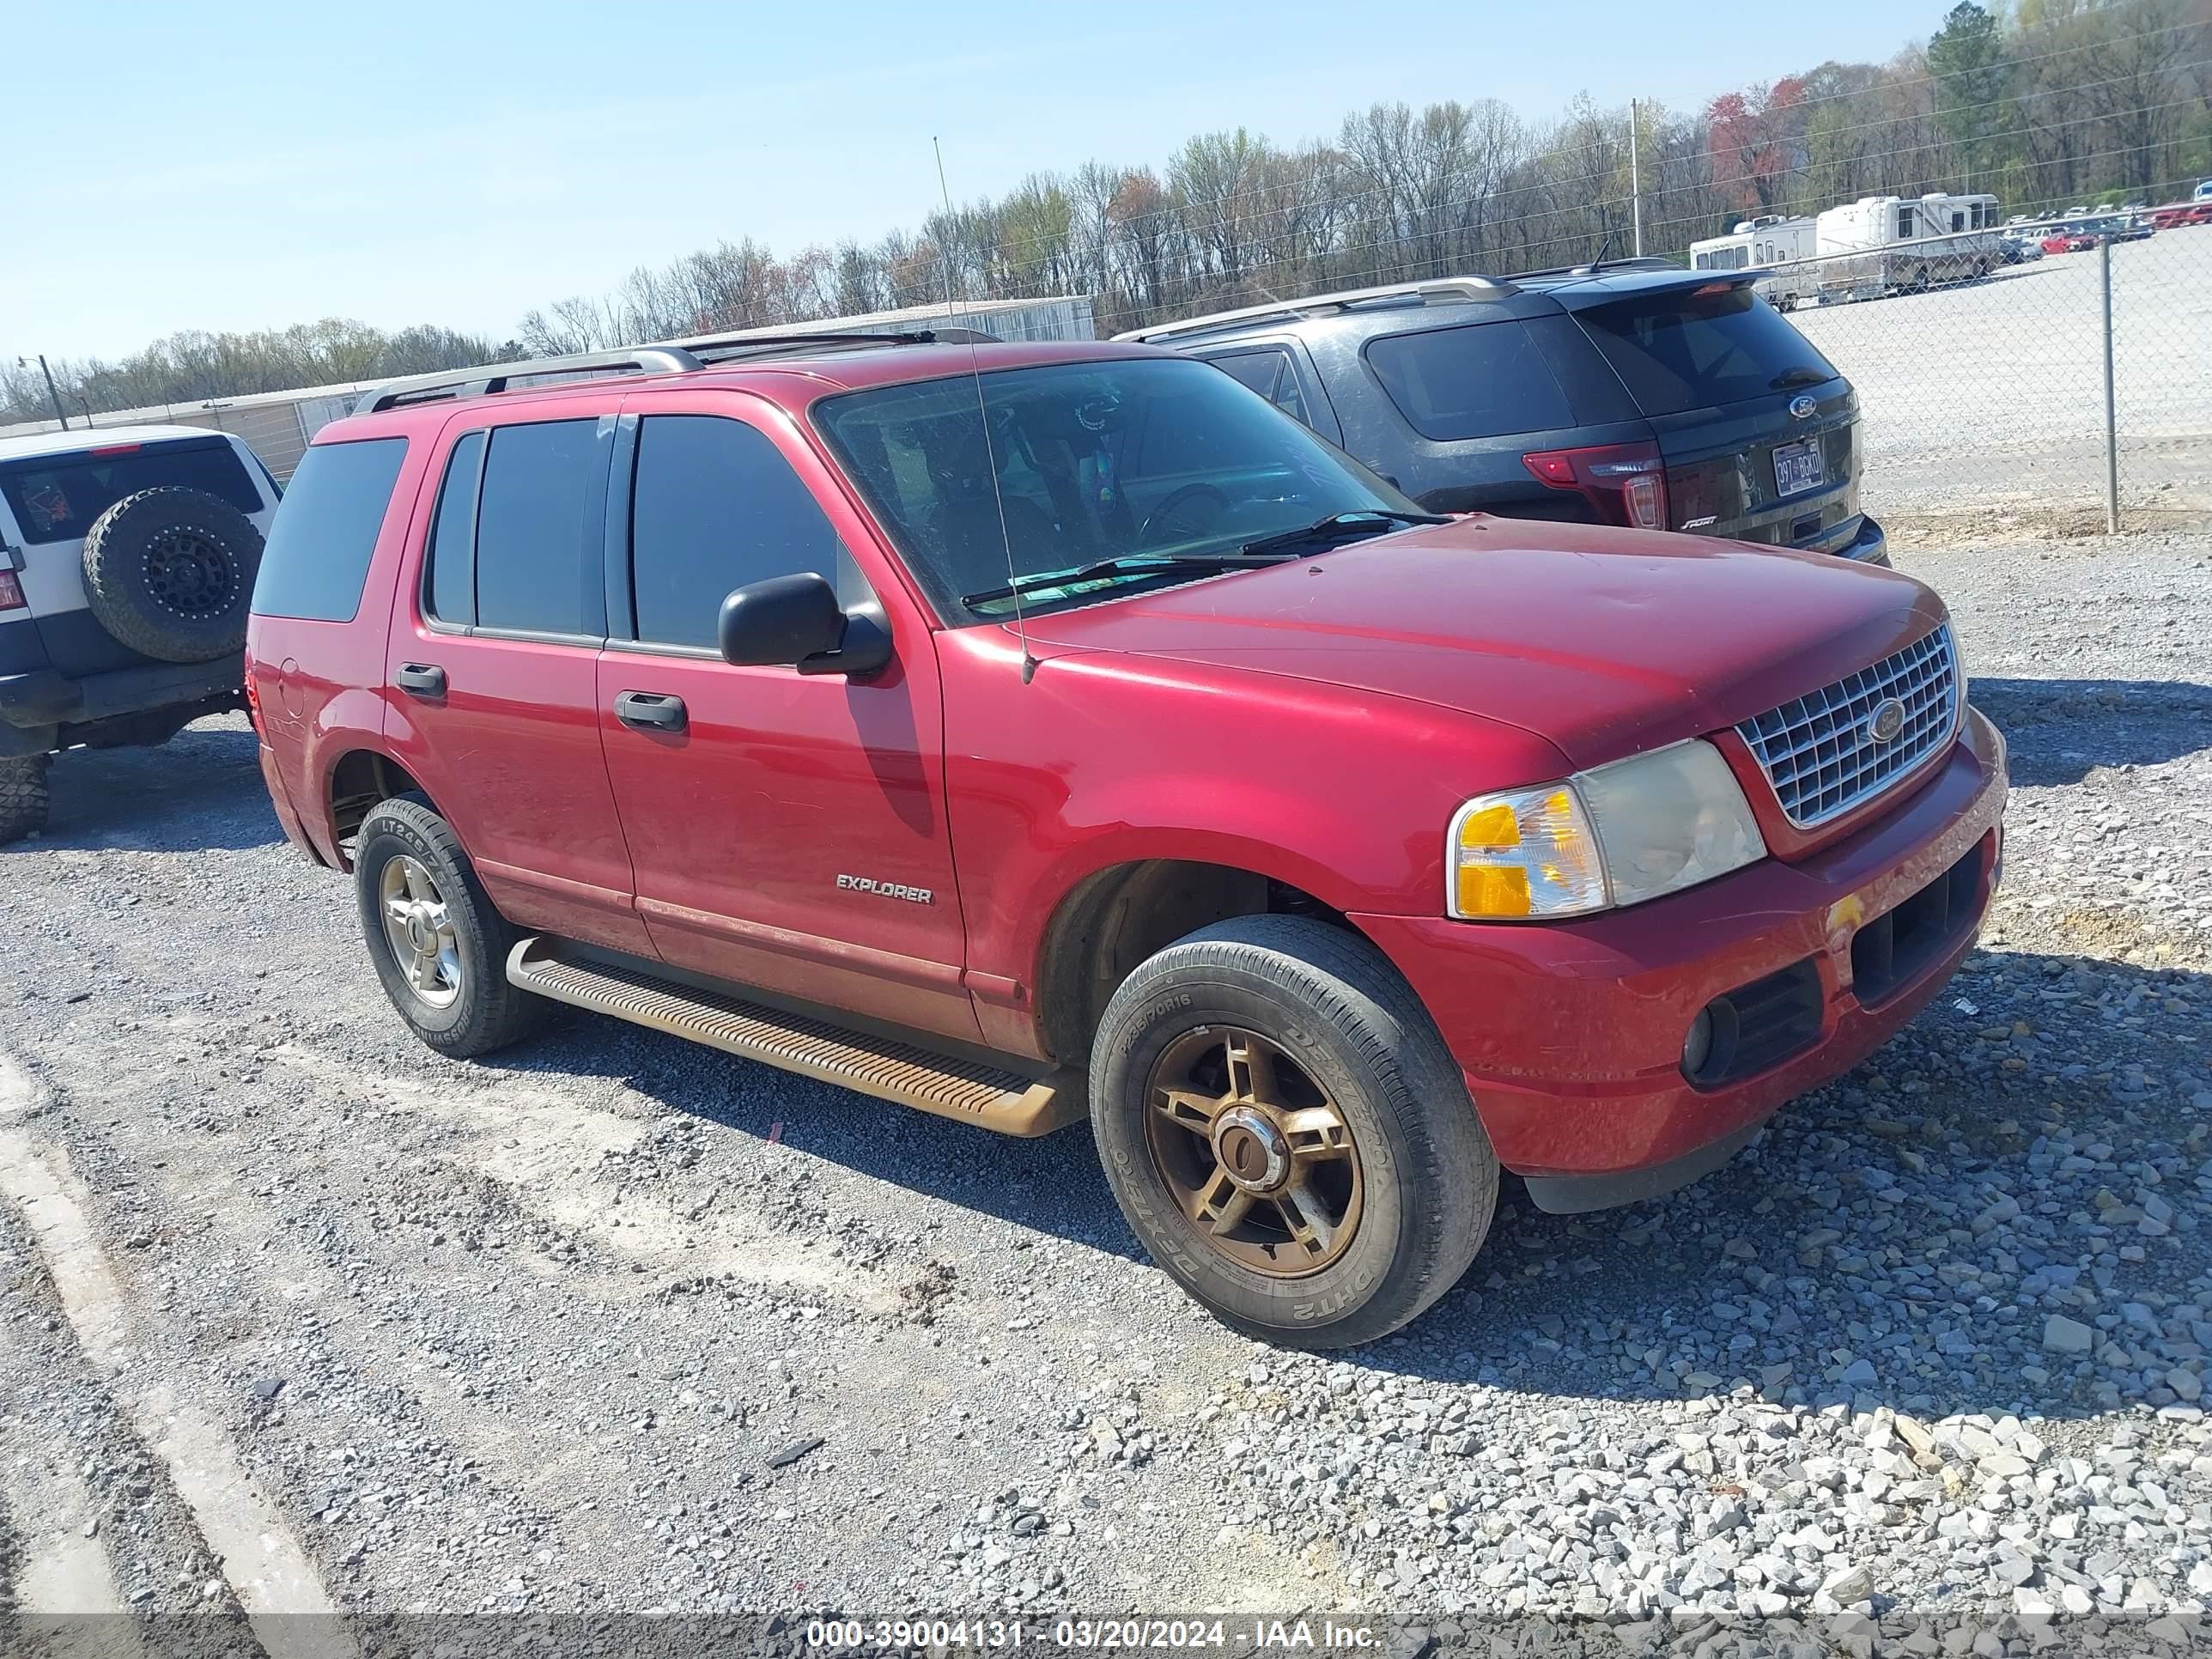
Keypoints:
pixel 231 164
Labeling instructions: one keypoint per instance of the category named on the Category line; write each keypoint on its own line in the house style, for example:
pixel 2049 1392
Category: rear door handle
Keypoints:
pixel 422 679
pixel 651 711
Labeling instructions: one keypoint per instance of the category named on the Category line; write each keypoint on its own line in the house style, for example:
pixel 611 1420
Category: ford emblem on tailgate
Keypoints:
pixel 1802 408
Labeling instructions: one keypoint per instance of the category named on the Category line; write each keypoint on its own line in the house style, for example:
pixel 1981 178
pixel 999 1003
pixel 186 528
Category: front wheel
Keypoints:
pixel 438 943
pixel 1286 1133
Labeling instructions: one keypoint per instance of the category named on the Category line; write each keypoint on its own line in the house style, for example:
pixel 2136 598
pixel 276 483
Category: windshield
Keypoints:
pixel 1144 459
pixel 1692 348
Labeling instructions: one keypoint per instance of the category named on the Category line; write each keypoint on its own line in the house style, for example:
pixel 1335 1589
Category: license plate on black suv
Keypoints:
pixel 1798 466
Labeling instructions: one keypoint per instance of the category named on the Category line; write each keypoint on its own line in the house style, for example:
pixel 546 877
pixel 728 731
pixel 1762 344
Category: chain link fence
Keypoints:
pixel 1985 399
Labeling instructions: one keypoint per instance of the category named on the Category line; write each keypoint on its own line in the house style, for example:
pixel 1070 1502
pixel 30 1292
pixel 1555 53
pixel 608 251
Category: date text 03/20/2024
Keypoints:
pixel 1244 1634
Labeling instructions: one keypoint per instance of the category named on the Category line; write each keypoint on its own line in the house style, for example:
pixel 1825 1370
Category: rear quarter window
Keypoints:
pixel 320 546
pixel 1686 349
pixel 1478 381
pixel 56 497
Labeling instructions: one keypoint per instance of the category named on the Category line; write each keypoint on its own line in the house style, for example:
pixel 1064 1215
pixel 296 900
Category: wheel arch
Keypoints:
pixel 354 784
pixel 1119 914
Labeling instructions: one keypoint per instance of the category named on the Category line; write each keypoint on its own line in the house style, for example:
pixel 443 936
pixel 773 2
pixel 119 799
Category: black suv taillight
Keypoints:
pixel 1625 482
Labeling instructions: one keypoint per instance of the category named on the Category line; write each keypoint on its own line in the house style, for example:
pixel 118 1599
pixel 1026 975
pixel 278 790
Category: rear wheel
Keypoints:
pixel 24 796
pixel 1285 1130
pixel 439 945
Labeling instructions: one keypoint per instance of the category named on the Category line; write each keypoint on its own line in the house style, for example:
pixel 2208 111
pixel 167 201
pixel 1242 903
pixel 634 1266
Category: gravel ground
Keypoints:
pixel 619 1324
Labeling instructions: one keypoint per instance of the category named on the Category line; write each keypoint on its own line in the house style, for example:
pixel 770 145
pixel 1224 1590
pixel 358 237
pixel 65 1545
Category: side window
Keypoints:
pixel 537 562
pixel 1904 224
pixel 326 532
pixel 1270 373
pixel 1481 380
pixel 451 590
pixel 714 506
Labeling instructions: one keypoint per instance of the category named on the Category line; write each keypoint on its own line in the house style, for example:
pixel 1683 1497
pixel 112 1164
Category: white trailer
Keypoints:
pixel 1881 245
pixel 1772 239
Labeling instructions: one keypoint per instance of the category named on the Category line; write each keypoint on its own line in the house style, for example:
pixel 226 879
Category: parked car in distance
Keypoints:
pixel 127 557
pixel 1025 731
pixel 1640 394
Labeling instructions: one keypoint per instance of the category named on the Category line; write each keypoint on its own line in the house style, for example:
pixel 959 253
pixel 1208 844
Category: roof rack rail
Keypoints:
pixel 494 377
pixel 667 357
pixel 1449 289
pixel 752 344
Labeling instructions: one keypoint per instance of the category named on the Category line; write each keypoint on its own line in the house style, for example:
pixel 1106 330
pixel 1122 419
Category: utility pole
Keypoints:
pixel 1634 179
pixel 22 362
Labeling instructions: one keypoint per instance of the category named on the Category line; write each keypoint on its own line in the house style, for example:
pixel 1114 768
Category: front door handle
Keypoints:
pixel 651 711
pixel 421 679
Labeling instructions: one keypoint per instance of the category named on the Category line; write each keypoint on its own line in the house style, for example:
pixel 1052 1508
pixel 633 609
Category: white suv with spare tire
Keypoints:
pixel 127 559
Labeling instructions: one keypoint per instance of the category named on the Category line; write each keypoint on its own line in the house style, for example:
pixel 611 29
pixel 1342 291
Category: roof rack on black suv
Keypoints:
pixel 1629 392
pixel 1448 290
pixel 669 357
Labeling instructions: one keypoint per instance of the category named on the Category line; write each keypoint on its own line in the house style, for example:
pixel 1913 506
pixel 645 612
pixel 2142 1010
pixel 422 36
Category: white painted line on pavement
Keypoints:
pixel 266 1568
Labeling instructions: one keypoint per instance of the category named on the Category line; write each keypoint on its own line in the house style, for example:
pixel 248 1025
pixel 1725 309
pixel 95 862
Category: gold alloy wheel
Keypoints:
pixel 1258 1156
pixel 420 930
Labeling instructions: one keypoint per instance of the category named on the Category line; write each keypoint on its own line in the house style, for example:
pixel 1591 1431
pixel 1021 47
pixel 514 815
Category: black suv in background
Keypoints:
pixel 1633 394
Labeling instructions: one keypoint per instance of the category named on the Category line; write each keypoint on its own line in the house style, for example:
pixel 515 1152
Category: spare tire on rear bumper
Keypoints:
pixel 169 572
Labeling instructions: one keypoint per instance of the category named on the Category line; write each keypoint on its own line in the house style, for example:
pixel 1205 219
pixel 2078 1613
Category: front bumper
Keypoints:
pixel 1571 1033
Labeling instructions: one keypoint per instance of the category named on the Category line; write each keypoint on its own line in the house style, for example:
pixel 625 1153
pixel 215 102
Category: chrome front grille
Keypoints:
pixel 1820 751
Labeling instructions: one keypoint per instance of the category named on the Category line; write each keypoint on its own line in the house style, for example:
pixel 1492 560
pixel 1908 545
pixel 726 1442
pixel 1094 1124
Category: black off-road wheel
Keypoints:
pixel 24 796
pixel 169 572
pixel 439 945
pixel 1286 1133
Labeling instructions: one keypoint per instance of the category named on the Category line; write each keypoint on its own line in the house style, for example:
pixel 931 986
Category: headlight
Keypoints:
pixel 1616 835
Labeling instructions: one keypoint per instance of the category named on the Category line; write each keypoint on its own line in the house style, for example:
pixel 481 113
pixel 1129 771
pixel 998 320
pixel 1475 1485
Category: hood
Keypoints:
pixel 1607 643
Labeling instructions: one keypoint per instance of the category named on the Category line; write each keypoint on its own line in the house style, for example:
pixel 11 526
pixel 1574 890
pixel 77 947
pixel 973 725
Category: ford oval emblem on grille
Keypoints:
pixel 1802 408
pixel 1887 720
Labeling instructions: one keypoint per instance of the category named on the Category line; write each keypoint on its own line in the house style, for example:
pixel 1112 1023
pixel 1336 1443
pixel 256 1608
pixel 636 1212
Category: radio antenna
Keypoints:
pixel 983 415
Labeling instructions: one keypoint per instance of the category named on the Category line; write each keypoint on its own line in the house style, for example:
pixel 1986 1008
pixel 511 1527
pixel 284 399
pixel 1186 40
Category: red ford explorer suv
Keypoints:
pixel 1030 733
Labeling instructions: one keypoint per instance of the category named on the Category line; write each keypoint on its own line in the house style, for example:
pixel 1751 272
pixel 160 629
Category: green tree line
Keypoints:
pixel 2044 104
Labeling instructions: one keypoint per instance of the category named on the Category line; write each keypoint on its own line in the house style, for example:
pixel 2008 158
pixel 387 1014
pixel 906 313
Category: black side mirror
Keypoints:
pixel 795 621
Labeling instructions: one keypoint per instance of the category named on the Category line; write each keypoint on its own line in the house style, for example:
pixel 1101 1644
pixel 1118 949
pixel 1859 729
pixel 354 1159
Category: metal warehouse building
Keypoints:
pixel 278 425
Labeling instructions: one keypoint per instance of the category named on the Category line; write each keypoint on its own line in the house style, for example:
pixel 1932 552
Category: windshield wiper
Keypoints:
pixel 1336 525
pixel 1125 564
pixel 1803 374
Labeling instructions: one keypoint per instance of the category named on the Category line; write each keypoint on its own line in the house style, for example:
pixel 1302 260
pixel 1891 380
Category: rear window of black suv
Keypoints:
pixel 1695 347
pixel 319 547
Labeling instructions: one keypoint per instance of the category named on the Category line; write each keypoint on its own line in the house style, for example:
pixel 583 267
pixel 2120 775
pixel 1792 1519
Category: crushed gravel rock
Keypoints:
pixel 545 1334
